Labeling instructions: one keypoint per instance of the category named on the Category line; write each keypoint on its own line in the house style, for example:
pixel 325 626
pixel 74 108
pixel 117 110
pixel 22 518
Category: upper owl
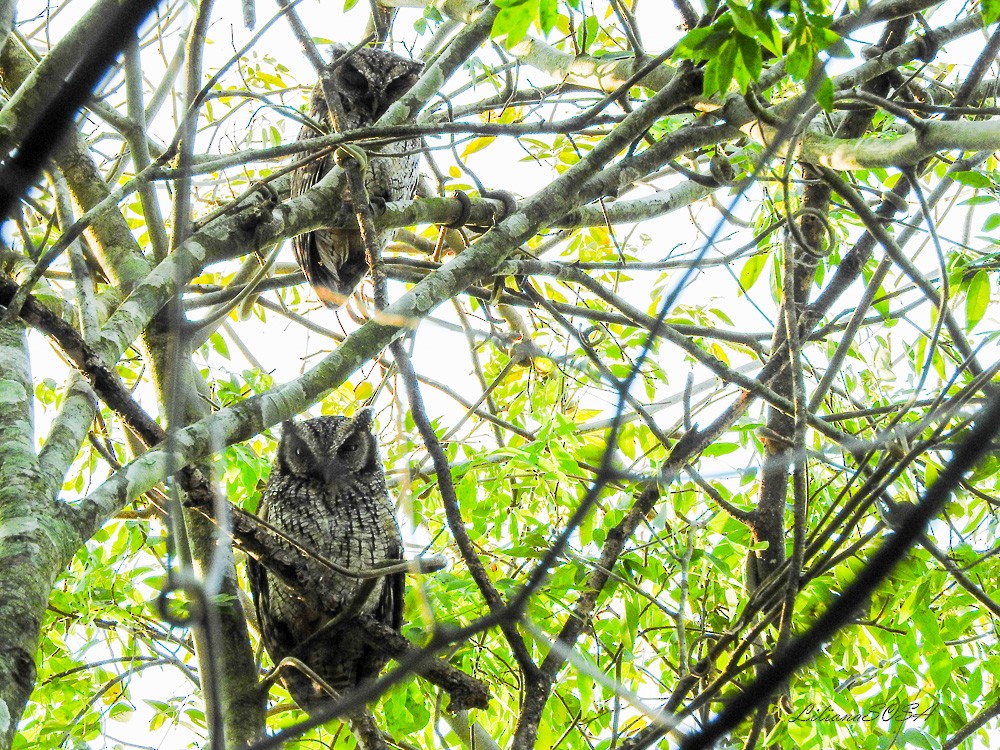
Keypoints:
pixel 368 82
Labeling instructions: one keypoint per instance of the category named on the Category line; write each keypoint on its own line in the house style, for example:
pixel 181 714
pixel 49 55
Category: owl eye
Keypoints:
pixel 349 447
pixel 400 86
pixel 353 78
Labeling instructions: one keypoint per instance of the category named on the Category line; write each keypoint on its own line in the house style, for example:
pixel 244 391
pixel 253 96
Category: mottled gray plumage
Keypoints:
pixel 327 491
pixel 368 83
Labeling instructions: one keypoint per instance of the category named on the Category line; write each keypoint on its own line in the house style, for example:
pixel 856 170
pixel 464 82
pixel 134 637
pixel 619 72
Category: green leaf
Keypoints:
pixel 587 33
pixel 719 70
pixel 348 4
pixel 693 43
pixel 750 53
pixel 743 20
pixel 824 93
pixel 990 10
pixel 977 299
pixel 972 179
pixel 477 144
pixel 826 38
pixel 513 20
pixel 218 343
pixel 721 449
pixel 548 12
pixel 770 35
pixel 800 61
pixel 751 271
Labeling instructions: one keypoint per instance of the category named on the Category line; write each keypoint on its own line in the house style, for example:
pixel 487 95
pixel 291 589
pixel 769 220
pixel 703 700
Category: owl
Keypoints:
pixel 368 82
pixel 327 491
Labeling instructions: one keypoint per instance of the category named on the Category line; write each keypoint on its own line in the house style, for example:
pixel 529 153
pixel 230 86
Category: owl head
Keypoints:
pixel 370 80
pixel 330 450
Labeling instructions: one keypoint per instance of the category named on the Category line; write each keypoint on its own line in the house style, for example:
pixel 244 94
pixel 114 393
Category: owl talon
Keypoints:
pixel 507 199
pixel 930 46
pixel 268 193
pixel 254 216
pixel 258 213
pixel 378 204
pixel 347 152
pixel 465 208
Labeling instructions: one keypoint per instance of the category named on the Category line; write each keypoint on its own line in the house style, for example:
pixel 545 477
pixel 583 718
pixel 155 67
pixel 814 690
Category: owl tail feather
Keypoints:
pixel 330 297
pixel 298 674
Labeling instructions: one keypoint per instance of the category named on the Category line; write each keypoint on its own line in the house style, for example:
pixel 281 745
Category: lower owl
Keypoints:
pixel 327 491
pixel 368 81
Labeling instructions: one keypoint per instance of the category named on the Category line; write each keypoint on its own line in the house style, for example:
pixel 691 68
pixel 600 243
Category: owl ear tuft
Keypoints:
pixel 290 431
pixel 337 49
pixel 364 417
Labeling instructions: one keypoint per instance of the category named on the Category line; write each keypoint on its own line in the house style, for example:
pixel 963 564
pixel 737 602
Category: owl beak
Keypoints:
pixel 332 472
